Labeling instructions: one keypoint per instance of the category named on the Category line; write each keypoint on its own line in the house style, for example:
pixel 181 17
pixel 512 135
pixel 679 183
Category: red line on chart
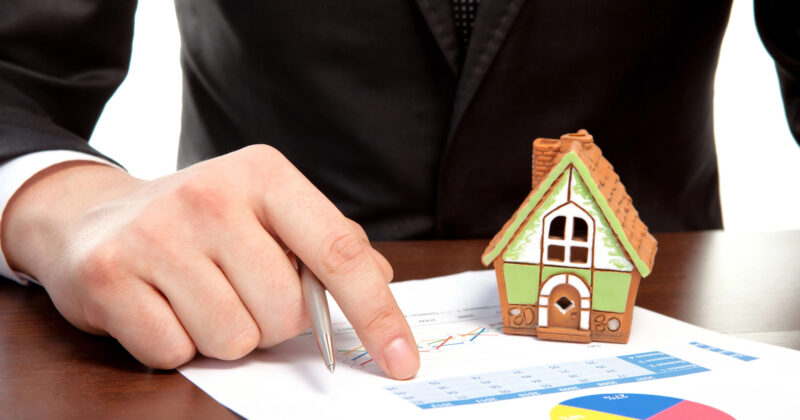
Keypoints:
pixel 352 356
pixel 445 340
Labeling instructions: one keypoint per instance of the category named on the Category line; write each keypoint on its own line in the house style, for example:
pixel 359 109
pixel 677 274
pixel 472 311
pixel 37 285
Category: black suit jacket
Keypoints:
pixel 368 98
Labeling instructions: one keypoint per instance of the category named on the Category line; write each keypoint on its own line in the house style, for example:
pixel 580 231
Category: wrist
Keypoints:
pixel 41 212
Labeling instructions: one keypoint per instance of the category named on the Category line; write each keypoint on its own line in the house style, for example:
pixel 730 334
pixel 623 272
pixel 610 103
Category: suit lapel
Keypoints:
pixel 492 24
pixel 439 16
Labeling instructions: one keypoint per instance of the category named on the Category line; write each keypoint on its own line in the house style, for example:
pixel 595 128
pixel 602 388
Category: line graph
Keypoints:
pixel 358 357
pixel 443 337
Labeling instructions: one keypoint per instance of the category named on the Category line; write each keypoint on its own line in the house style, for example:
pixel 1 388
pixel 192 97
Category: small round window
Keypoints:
pixel 613 324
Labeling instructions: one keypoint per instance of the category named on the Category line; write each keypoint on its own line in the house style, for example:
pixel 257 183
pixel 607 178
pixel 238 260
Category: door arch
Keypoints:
pixel 565 302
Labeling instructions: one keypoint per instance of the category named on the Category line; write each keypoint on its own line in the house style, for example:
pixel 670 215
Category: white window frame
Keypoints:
pixel 570 211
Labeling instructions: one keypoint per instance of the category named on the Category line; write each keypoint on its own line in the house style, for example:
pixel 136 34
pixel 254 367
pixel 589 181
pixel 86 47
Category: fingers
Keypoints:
pixel 384 265
pixel 265 279
pixel 208 307
pixel 196 262
pixel 142 321
pixel 354 278
pixel 344 261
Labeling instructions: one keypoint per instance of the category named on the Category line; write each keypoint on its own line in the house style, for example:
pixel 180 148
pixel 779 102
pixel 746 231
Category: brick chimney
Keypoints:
pixel 547 152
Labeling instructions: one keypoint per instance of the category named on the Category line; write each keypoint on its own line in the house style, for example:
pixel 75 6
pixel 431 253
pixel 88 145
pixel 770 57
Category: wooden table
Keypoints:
pixel 746 285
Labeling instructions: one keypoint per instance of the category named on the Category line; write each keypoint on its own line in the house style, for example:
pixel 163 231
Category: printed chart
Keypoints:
pixel 540 380
pixel 442 336
pixel 724 352
pixel 359 358
pixel 634 407
pixel 466 361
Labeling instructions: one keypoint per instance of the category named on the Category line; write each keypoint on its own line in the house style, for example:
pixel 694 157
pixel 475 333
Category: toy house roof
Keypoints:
pixel 551 158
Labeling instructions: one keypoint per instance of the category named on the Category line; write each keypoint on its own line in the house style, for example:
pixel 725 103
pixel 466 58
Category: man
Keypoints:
pixel 412 118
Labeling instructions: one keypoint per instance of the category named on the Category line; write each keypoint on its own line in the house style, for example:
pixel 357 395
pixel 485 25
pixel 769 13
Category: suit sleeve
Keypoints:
pixel 778 24
pixel 60 61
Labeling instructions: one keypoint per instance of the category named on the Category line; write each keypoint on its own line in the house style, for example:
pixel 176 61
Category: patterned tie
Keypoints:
pixel 464 12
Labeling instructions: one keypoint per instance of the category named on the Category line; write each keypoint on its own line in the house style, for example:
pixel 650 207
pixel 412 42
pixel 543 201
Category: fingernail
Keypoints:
pixel 402 359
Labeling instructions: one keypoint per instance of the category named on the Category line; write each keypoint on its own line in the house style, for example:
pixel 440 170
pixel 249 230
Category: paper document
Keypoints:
pixel 469 368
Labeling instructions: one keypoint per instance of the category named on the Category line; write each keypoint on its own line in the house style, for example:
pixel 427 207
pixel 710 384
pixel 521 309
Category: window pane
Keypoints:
pixel 557 228
pixel 555 253
pixel 564 303
pixel 578 255
pixel 580 230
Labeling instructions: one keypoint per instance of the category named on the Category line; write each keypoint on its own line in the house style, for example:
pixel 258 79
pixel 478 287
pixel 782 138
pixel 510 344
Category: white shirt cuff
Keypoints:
pixel 16 172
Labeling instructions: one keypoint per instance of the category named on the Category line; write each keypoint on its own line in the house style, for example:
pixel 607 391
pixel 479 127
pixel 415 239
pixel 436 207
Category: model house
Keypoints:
pixel 570 259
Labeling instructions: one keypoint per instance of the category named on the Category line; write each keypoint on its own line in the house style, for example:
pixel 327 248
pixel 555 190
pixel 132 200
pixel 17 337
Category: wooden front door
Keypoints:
pixel 564 307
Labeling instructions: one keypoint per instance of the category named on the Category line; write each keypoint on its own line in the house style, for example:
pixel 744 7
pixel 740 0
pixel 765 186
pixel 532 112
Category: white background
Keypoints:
pixel 758 158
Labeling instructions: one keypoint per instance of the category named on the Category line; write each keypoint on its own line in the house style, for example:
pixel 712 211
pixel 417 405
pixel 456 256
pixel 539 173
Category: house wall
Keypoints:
pixel 550 271
pixel 522 283
pixel 517 318
pixel 525 247
pixel 612 279
pixel 610 291
pixel 601 320
pixel 608 253
pixel 613 298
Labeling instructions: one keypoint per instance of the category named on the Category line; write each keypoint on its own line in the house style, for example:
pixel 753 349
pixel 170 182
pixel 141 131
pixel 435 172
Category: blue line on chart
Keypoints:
pixel 477 334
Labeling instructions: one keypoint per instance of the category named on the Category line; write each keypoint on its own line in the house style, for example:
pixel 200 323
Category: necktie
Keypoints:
pixel 464 12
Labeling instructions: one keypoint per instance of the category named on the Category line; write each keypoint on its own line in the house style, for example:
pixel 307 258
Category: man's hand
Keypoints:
pixel 200 260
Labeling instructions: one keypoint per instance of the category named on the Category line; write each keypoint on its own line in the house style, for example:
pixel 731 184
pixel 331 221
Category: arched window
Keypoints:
pixel 568 236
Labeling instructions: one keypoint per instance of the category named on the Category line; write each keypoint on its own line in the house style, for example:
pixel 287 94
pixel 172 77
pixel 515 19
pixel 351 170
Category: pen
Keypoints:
pixel 317 307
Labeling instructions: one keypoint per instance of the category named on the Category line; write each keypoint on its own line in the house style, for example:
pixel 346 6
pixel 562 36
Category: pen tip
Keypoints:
pixel 330 367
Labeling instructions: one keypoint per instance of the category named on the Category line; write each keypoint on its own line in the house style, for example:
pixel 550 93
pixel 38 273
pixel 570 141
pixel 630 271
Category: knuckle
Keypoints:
pixel 262 156
pixel 284 321
pixel 295 322
pixel 266 165
pixel 172 356
pixel 291 328
pixel 261 152
pixel 144 232
pixel 387 271
pixel 383 264
pixel 381 319
pixel 237 344
pixel 100 268
pixel 198 189
pixel 342 253
pixel 358 229
pixel 94 315
pixel 203 195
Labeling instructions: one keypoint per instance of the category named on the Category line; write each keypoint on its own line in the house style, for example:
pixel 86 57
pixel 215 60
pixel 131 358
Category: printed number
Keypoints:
pixel 600 322
pixel 522 316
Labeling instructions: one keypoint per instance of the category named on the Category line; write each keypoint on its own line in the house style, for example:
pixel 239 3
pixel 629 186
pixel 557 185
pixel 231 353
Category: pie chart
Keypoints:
pixel 634 406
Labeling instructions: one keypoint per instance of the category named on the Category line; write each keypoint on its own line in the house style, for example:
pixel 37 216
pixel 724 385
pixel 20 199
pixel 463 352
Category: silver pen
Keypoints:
pixel 317 307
